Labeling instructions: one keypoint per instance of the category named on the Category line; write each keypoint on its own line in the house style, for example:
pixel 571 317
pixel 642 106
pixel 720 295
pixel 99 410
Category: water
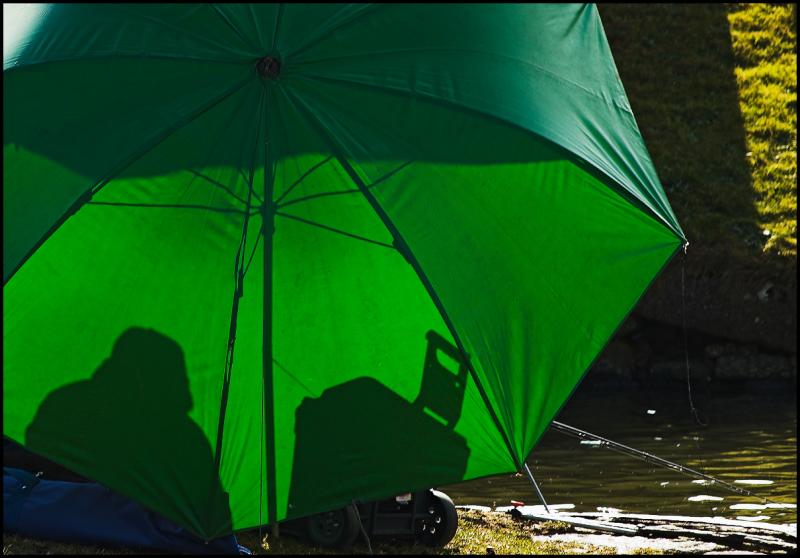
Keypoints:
pixel 750 440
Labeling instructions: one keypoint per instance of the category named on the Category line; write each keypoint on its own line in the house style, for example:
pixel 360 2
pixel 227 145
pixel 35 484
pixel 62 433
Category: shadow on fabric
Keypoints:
pixel 363 430
pixel 128 427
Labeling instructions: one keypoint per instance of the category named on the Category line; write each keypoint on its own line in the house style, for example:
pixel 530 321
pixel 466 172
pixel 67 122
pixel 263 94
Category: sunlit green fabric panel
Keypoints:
pixel 535 260
pixel 145 421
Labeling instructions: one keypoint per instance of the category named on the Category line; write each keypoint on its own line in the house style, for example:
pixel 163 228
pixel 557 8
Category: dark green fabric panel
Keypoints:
pixel 549 260
pixel 545 67
pixel 69 138
pixel 41 33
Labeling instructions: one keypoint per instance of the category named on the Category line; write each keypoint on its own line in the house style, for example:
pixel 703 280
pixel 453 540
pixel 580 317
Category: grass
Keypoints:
pixel 477 533
pixel 764 43
pixel 714 91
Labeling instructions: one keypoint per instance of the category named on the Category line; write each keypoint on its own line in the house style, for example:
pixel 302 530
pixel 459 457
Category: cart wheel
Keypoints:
pixel 336 528
pixel 441 521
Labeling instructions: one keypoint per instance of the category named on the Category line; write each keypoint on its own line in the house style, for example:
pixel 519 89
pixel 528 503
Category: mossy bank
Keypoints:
pixel 714 91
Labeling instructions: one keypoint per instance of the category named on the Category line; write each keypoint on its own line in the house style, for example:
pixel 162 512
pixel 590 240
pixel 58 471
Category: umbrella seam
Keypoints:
pixel 364 9
pixel 80 57
pixel 230 24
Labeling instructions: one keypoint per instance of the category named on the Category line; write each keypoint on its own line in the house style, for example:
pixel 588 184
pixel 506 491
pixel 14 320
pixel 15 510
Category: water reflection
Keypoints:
pixel 747 439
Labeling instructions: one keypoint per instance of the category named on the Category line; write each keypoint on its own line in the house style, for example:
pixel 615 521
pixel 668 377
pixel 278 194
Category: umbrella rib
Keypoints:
pixel 238 292
pixel 87 195
pixel 255 246
pixel 168 206
pixel 385 177
pixel 218 184
pixel 334 230
pixel 255 194
pixel 310 171
pixel 405 250
pixel 297 380
pixel 320 195
pixel 362 10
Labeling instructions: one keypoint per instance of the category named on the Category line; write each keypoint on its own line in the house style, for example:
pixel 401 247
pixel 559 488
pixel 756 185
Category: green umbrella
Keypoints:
pixel 262 260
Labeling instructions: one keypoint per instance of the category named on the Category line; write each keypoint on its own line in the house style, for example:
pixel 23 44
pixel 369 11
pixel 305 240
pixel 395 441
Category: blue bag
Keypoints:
pixel 89 513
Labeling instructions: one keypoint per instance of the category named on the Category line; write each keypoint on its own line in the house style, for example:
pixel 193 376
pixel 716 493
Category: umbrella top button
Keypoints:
pixel 269 67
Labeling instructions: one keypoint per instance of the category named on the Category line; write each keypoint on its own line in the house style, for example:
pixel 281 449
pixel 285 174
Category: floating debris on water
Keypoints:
pixel 771 505
pixel 534 509
pixel 665 483
pixel 753 481
pixel 591 442
pixel 704 498
pixel 752 517
pixel 657 438
pixel 701 481
pixel 651 411
pixel 747 507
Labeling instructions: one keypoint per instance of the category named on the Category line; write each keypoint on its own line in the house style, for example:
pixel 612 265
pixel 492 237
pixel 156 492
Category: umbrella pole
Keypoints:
pixel 536 487
pixel 269 396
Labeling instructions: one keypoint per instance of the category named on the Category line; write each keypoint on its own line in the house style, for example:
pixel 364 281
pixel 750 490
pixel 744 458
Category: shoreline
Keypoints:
pixel 485 531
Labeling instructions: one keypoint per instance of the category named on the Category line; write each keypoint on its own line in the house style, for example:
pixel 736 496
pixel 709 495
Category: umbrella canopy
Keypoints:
pixel 262 260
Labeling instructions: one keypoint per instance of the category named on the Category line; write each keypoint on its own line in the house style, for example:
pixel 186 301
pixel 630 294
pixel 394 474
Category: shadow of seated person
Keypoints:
pixel 127 427
pixel 360 440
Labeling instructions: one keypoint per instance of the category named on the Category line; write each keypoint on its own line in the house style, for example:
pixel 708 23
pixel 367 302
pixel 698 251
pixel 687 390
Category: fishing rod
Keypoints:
pixel 650 458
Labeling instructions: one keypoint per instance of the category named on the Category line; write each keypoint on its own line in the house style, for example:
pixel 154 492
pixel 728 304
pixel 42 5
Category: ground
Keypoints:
pixel 477 533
